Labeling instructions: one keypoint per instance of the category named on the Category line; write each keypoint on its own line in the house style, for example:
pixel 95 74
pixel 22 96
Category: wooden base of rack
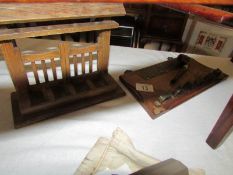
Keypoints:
pixel 67 96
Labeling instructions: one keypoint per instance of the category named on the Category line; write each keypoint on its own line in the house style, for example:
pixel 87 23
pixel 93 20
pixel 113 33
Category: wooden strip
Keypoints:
pixel 64 55
pixel 10 34
pixel 210 13
pixel 44 68
pixel 86 58
pixel 60 81
pixel 90 84
pixel 170 47
pixel 84 49
pixel 15 66
pixel 69 99
pixel 83 63
pixel 223 125
pixel 213 2
pixel 34 69
pixel 75 65
pixel 53 66
pixel 170 166
pixel 40 56
pixel 27 12
pixel 103 50
pixel 160 45
pixel 90 62
pixel 70 88
pixel 48 93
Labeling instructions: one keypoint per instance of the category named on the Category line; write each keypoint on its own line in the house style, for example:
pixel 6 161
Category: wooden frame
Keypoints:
pixel 79 85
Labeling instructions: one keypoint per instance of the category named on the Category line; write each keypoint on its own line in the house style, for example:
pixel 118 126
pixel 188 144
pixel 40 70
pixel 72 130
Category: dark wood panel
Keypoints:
pixel 223 125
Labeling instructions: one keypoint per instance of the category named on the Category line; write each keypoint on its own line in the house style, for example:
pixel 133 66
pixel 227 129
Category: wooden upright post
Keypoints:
pixel 222 126
pixel 65 65
pixel 15 66
pixel 103 50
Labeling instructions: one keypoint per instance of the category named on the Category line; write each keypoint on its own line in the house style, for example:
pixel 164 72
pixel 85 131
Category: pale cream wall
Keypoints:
pixel 210 27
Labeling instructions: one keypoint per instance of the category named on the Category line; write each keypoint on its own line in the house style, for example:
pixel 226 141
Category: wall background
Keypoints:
pixel 209 27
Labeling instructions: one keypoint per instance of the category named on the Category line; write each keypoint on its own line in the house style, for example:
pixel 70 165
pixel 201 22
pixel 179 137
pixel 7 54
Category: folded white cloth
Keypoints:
pixel 116 153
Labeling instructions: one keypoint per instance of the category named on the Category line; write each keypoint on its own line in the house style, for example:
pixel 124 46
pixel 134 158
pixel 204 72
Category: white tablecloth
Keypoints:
pixel 57 146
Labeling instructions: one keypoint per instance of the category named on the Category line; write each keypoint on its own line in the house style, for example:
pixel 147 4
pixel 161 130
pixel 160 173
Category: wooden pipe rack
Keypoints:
pixel 66 78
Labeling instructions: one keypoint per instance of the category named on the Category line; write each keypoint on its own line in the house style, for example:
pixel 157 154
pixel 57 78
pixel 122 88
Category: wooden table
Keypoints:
pixel 58 145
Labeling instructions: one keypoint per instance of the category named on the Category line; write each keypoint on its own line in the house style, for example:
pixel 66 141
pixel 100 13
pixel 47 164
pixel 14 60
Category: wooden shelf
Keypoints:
pixel 10 34
pixel 11 13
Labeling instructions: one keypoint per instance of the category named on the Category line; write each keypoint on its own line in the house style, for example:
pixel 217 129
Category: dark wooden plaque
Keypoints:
pixel 170 83
pixel 222 127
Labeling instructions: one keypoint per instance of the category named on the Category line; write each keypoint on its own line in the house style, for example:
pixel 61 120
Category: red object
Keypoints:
pixel 207 12
pixel 229 2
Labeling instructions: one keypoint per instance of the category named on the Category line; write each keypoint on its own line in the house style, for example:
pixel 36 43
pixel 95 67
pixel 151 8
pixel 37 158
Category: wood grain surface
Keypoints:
pixel 160 76
pixel 222 127
pixel 28 12
pixel 10 34
pixel 133 1
pixel 76 98
pixel 167 167
pixel 209 13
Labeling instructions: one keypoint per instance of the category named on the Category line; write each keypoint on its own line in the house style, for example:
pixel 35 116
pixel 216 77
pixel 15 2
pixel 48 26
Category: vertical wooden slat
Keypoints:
pixel 75 65
pixel 65 64
pixel 83 63
pixel 103 50
pixel 44 70
pixel 15 66
pixel 53 66
pixel 90 62
pixel 35 72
